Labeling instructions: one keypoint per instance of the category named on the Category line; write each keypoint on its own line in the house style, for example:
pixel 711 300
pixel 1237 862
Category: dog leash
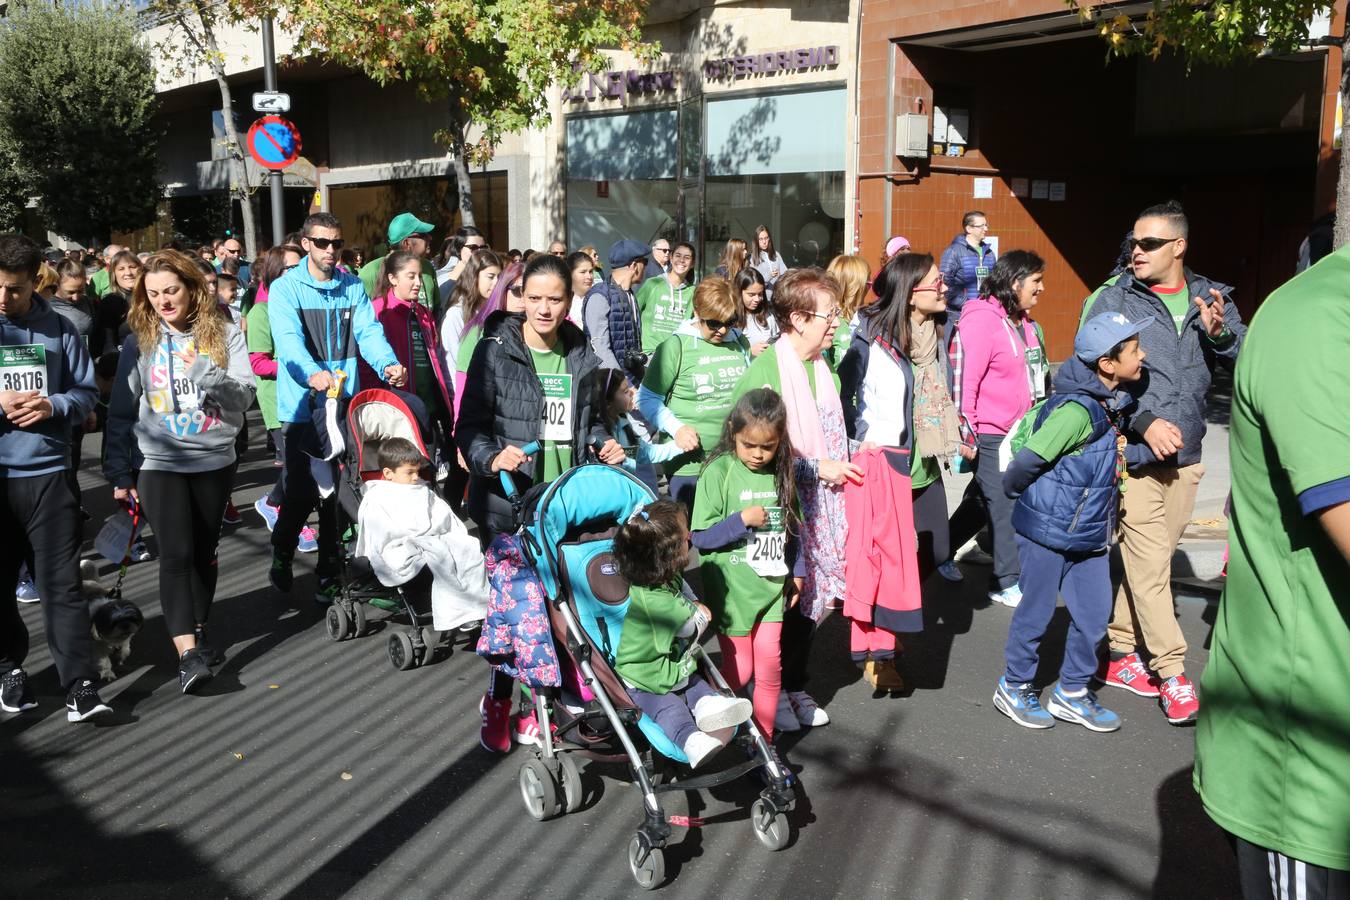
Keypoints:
pixel 134 510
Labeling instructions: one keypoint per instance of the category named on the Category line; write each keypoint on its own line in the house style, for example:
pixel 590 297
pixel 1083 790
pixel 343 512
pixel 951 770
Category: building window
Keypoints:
pixel 365 209
pixel 621 177
pixel 953 124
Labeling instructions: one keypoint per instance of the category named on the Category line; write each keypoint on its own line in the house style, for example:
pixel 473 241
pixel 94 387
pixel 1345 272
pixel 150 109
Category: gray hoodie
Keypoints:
pixel 183 419
pixel 45 447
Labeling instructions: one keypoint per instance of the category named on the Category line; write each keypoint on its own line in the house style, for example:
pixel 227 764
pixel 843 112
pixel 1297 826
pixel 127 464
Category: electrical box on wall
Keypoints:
pixel 911 135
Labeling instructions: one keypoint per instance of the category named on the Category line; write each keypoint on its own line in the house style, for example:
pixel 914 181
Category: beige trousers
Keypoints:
pixel 1154 510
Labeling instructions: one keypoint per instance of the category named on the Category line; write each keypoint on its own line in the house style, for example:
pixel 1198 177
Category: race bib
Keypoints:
pixel 189 396
pixel 557 417
pixel 981 273
pixel 24 368
pixel 1036 371
pixel 766 550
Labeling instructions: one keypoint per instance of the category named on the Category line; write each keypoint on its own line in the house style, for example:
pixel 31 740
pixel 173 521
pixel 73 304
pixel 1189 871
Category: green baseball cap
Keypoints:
pixel 405 224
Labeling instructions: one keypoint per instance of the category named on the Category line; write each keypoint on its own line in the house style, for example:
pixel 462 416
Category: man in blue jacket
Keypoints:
pixel 46 386
pixel 1194 323
pixel 965 264
pixel 321 319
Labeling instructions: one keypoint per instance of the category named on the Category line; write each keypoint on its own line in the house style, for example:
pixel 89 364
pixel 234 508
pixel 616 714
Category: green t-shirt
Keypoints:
pixel 663 308
pixel 738 597
pixel 651 656
pixel 1272 748
pixel 696 378
pixel 259 336
pixel 843 336
pixel 424 376
pixel 467 345
pixel 763 372
pixel 555 455
pixel 1178 302
pixel 1065 431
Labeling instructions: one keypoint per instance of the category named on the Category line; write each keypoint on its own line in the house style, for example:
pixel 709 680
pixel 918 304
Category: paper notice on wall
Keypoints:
pixel 1020 187
pixel 1057 192
pixel 984 188
pixel 992 241
pixel 1040 189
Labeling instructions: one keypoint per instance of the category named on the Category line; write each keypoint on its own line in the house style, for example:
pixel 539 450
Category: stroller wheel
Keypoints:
pixel 431 638
pixel 358 618
pixel 400 648
pixel 337 621
pixel 539 790
pixel 771 827
pixel 648 872
pixel 570 776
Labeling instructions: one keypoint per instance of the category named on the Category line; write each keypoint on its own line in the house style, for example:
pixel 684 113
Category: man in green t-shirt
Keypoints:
pixel 408 233
pixel 1272 761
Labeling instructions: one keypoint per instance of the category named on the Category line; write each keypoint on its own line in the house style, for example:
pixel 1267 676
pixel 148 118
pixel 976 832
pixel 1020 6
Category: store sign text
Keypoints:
pixel 771 63
pixel 620 85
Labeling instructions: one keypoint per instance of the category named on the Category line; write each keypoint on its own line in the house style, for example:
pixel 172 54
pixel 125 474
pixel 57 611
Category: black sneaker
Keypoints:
pixel 15 695
pixel 212 655
pixel 193 671
pixel 83 702
pixel 280 574
pixel 329 589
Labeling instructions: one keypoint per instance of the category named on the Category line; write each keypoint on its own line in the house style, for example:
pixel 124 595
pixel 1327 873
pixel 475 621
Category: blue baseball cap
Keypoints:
pixel 624 252
pixel 1101 333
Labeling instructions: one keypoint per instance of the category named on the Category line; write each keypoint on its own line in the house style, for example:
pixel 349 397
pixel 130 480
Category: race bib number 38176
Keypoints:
pixel 24 368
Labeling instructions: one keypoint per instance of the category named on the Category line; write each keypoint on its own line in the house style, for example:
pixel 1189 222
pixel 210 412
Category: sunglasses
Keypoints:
pixel 475 246
pixel 1149 244
pixel 325 243
pixel 935 286
pixel 717 325
pixel 517 290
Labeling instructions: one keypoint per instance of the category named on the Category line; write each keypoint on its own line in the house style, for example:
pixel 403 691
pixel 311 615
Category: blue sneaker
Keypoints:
pixel 1009 596
pixel 1020 703
pixel 268 512
pixel 26 591
pixel 1083 709
pixel 949 571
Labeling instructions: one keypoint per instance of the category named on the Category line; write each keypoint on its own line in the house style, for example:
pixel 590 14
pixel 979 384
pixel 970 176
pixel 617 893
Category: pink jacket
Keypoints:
pixel 881 563
pixel 991 373
pixel 396 317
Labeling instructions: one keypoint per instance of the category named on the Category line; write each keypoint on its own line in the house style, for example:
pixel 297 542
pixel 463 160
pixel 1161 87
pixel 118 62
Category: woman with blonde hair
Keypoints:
pixel 854 276
pixel 734 258
pixel 183 385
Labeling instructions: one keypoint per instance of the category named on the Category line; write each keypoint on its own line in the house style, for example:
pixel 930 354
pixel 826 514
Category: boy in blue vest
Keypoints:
pixel 1067 482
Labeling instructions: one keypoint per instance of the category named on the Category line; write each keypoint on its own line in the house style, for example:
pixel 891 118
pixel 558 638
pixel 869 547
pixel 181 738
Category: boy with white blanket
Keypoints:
pixel 405 528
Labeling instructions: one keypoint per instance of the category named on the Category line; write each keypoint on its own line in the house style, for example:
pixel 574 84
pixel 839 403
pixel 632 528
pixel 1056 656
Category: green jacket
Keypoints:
pixel 652 657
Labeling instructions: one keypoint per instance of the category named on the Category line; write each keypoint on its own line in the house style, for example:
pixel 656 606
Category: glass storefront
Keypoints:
pixel 769 159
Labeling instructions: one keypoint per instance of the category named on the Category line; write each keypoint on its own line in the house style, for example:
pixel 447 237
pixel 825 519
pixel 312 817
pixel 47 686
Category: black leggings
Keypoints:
pixel 185 512
pixel 930 522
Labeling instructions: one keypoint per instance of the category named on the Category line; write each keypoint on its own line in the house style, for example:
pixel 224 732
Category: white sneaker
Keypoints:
pixel 1009 597
pixel 949 571
pixel 785 719
pixel 970 552
pixel 723 736
pixel 715 712
pixel 699 747
pixel 807 711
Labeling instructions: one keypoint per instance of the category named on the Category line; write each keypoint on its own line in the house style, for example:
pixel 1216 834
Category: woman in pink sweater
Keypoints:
pixel 999 369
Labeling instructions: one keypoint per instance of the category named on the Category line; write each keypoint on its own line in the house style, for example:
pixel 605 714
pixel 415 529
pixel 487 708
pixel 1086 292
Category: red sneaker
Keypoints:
pixel 1130 673
pixel 526 729
pixel 495 735
pixel 1178 700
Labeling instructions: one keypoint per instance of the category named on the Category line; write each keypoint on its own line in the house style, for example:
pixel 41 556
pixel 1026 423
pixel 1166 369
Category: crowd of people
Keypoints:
pixel 798 422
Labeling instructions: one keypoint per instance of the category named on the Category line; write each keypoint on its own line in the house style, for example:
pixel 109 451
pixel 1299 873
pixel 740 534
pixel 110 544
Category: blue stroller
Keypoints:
pixel 566 532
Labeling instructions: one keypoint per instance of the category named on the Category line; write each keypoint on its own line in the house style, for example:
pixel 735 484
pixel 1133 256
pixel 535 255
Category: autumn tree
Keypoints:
pixel 77 131
pixel 1226 32
pixel 189 42
pixel 491 63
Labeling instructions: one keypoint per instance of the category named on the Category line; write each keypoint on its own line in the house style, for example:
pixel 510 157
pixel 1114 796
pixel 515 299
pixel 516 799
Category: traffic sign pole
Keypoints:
pixel 275 177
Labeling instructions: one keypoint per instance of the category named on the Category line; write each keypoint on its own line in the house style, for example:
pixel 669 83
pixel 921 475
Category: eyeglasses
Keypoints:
pixel 717 325
pixel 828 317
pixel 983 226
pixel 517 289
pixel 937 285
pixel 1149 244
pixel 325 243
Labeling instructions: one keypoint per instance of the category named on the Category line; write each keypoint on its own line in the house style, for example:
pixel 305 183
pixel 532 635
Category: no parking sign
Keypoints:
pixel 274 142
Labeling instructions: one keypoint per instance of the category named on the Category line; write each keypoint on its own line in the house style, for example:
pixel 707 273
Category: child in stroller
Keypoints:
pixel 654 657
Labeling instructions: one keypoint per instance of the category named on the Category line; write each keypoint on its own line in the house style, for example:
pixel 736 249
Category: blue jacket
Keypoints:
pixel 318 326
pixel 1180 366
pixel 958 267
pixel 1069 504
pixel 44 448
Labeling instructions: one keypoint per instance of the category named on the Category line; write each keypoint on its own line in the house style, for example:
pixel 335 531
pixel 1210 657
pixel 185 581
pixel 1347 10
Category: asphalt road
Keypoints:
pixel 311 770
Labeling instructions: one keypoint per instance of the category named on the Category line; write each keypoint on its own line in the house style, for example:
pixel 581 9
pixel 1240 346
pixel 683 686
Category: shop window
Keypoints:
pixel 953 122
pixel 621 177
pixel 365 209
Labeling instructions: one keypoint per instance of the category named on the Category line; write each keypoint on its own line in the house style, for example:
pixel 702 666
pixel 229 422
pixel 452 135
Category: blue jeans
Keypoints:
pixel 1084 580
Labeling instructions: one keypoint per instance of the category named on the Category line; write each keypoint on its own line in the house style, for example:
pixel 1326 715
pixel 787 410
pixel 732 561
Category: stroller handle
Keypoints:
pixel 508 484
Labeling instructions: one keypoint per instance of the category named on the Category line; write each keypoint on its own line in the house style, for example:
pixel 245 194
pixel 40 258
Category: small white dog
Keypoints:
pixel 115 621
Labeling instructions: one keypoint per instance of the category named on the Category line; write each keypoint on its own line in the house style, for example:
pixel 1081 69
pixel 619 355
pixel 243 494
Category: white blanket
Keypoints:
pixel 405 527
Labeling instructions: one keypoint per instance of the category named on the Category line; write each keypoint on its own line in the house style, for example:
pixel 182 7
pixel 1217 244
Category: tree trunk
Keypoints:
pixel 458 156
pixel 239 186
pixel 1341 234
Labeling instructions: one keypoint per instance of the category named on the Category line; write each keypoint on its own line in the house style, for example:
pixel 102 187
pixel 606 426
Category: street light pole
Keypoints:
pixel 275 178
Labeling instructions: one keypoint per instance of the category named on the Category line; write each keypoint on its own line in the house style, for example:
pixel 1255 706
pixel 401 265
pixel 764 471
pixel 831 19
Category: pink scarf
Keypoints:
pixel 804 411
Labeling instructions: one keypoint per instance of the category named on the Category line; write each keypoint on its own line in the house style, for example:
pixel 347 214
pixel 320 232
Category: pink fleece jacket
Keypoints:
pixel 995 389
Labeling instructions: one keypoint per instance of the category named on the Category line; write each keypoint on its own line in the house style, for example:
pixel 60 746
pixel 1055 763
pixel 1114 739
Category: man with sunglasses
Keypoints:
pixel 966 263
pixel 321 319
pixel 1194 323
pixel 411 235
pixel 660 262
